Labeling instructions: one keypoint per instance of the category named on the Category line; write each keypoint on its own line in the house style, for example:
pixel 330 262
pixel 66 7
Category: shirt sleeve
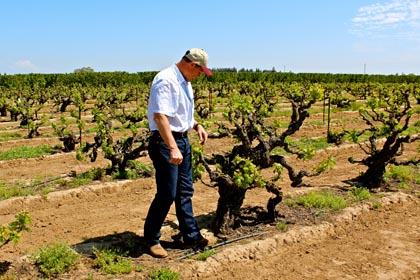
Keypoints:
pixel 163 98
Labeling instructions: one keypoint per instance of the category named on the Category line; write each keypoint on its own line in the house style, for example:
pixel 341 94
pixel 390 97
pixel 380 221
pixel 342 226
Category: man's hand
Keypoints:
pixel 176 156
pixel 202 134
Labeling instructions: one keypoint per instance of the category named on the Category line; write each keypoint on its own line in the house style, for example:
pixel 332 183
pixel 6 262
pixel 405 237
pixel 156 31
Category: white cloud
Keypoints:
pixel 396 18
pixel 25 64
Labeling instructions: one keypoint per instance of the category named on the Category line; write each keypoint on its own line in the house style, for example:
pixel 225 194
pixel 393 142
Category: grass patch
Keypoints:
pixel 84 178
pixel 164 274
pixel 308 146
pixel 135 170
pixel 359 194
pixel 12 191
pixel 39 186
pixel 55 259
pixel 112 261
pixel 323 199
pixel 205 254
pixel 320 143
pixel 26 152
pixel 403 174
pixel 376 205
pixel 403 185
pixel 282 225
pixel 6 136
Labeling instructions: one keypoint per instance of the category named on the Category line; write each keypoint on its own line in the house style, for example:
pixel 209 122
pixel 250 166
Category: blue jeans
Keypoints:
pixel 174 183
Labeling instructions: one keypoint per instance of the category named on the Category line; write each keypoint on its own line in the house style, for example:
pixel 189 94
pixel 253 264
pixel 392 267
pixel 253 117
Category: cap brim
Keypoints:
pixel 206 70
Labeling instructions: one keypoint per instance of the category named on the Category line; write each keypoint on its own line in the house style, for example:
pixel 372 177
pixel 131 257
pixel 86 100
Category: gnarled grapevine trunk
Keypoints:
pixel 229 204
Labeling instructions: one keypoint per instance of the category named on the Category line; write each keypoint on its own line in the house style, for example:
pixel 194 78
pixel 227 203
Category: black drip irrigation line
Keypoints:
pixel 36 185
pixel 220 244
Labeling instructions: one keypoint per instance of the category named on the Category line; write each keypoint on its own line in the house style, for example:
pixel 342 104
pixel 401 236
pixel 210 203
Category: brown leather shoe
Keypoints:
pixel 203 242
pixel 157 251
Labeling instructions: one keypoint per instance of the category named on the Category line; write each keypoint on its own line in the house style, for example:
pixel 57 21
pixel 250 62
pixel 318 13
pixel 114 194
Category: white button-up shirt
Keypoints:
pixel 172 95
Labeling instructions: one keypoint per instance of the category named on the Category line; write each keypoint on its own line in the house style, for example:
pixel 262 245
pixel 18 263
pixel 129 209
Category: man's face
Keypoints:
pixel 195 70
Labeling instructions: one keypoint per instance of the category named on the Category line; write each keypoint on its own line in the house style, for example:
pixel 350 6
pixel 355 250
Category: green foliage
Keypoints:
pixel 135 170
pixel 376 205
pixel 6 136
pixel 197 154
pixel 325 165
pixel 77 182
pixel 61 127
pixel 325 200
pixel 308 146
pixel 112 261
pixel 282 226
pixel 139 268
pixel 205 254
pixel 55 259
pixel 87 69
pixel 85 178
pixel 164 274
pixel 359 194
pixel 278 170
pixel 26 152
pixel 308 152
pixel 12 232
pixel 403 173
pixel 403 185
pixel 15 190
pixel 390 115
pixel 246 174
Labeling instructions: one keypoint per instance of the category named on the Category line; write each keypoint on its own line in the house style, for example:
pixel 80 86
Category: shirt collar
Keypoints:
pixel 179 75
pixel 186 85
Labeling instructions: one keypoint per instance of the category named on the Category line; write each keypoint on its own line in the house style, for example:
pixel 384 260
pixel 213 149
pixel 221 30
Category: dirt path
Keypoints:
pixel 380 244
pixel 361 244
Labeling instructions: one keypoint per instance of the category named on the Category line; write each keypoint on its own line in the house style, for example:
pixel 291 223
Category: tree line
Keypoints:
pixel 224 75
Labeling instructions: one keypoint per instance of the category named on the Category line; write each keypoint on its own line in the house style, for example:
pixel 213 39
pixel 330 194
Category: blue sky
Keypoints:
pixel 317 36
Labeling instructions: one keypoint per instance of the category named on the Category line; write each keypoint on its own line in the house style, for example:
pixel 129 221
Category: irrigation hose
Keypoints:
pixel 195 252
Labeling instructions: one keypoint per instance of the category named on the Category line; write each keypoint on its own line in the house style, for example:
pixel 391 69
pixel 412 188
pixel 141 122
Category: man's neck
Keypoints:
pixel 182 69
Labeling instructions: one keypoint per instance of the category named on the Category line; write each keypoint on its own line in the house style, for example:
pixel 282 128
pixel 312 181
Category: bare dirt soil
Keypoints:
pixel 359 242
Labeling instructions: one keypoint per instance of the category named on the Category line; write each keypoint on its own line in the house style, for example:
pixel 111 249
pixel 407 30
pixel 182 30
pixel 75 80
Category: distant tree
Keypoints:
pixel 85 70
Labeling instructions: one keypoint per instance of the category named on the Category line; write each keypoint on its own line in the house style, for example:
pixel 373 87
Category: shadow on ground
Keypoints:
pixel 4 267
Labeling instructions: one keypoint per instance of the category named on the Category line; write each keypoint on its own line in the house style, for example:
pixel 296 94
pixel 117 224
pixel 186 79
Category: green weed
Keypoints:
pixel 26 152
pixel 112 261
pixel 55 259
pixel 11 232
pixel 205 254
pixel 134 171
pixel 376 205
pixel 15 190
pixel 164 274
pixel 359 194
pixel 325 200
pixel 282 225
pixel 403 185
pixel 403 174
pixel 10 136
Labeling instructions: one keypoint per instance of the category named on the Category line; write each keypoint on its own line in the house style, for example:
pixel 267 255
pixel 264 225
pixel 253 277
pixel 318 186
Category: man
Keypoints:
pixel 171 117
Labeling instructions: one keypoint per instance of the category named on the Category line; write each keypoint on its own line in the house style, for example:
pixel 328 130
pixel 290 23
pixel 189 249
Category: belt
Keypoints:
pixel 176 135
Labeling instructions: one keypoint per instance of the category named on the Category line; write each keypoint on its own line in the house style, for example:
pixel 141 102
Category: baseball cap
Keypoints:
pixel 200 57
